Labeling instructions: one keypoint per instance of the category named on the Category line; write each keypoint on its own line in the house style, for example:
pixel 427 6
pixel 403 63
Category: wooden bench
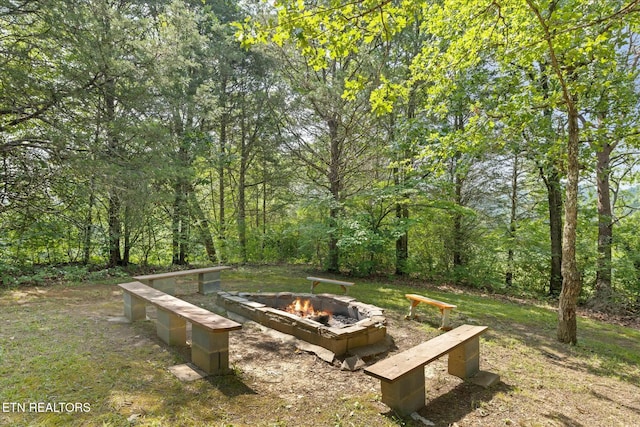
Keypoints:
pixel 209 331
pixel 444 307
pixel 315 281
pixel 208 279
pixel 402 378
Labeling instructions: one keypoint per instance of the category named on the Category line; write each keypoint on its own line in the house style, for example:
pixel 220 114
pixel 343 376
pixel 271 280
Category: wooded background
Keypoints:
pixel 449 140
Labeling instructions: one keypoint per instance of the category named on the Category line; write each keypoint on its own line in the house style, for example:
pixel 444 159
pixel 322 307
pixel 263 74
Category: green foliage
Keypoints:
pixel 394 117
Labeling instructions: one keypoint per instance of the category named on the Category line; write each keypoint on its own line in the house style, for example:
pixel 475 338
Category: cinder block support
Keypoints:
pixel 171 328
pixel 444 326
pixel 166 285
pixel 406 394
pixel 134 307
pixel 209 283
pixel 210 350
pixel 464 360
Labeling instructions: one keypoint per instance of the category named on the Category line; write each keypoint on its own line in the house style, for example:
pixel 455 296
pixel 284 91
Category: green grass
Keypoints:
pixel 608 349
pixel 56 346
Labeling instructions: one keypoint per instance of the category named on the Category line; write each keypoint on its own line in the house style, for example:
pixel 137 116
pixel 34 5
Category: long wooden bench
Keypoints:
pixel 208 279
pixel 209 331
pixel 315 281
pixel 444 307
pixel 402 378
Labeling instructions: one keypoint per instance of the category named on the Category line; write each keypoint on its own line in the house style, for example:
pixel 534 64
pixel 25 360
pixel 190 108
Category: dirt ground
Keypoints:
pixel 543 383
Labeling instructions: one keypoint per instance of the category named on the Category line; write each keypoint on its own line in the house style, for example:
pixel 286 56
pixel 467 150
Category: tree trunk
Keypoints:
pixel 402 209
pixel 512 221
pixel 554 197
pixel 86 258
pixel 115 258
pixel 458 182
pixel 402 243
pixel 180 223
pixel 115 203
pixel 571 283
pixel 242 213
pixel 202 224
pixel 551 179
pixel 604 290
pixel 126 251
pixel 222 233
pixel 335 187
pixel 242 177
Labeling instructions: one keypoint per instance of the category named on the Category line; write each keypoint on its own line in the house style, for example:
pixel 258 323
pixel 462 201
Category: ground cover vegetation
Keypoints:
pixel 63 343
pixel 486 143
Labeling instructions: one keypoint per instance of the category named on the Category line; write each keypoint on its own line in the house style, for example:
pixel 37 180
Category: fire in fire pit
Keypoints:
pixel 304 308
pixel 336 322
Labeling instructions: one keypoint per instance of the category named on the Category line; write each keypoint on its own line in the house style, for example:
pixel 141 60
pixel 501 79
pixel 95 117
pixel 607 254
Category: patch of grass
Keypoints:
pixel 512 324
pixel 57 346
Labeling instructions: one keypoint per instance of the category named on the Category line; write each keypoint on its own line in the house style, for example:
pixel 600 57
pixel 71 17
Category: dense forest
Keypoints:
pixel 488 143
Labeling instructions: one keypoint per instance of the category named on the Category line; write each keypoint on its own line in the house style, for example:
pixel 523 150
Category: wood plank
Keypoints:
pixel 394 367
pixel 335 282
pixel 182 273
pixel 184 309
pixel 415 297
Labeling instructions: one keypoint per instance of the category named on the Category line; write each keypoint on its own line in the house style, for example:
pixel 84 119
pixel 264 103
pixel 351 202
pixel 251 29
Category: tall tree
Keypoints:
pixel 563 32
pixel 325 135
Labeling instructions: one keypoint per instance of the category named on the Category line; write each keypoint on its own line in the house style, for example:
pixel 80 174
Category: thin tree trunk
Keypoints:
pixel 335 187
pixel 89 225
pixel 242 176
pixel 202 224
pixel 402 209
pixel 554 197
pixel 512 221
pixel 402 242
pixel 115 258
pixel 551 178
pixel 458 182
pixel 571 283
pixel 242 214
pixel 180 222
pixel 179 225
pixel 115 203
pixel 604 290
pixel 222 231
pixel 126 252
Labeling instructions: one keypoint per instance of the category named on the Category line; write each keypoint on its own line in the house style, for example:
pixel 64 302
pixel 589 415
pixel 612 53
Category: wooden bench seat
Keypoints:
pixel 402 378
pixel 315 281
pixel 209 331
pixel 208 279
pixel 444 307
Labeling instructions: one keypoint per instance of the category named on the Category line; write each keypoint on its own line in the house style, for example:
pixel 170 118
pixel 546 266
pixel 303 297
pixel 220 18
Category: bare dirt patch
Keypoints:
pixel 123 370
pixel 542 383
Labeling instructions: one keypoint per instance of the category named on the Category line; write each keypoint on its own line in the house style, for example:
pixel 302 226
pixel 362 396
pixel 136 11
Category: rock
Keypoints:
pixel 352 363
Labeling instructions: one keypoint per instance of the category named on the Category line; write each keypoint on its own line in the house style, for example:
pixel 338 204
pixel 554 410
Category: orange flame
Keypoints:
pixel 304 308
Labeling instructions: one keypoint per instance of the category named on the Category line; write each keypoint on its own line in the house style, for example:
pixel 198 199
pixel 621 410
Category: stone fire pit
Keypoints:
pixel 339 323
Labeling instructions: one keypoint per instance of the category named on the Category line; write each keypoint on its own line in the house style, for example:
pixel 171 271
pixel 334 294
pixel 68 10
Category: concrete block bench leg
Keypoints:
pixel 406 394
pixel 134 307
pixel 171 328
pixel 166 285
pixel 209 283
pixel 445 319
pixel 210 350
pixel 464 360
pixel 412 309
